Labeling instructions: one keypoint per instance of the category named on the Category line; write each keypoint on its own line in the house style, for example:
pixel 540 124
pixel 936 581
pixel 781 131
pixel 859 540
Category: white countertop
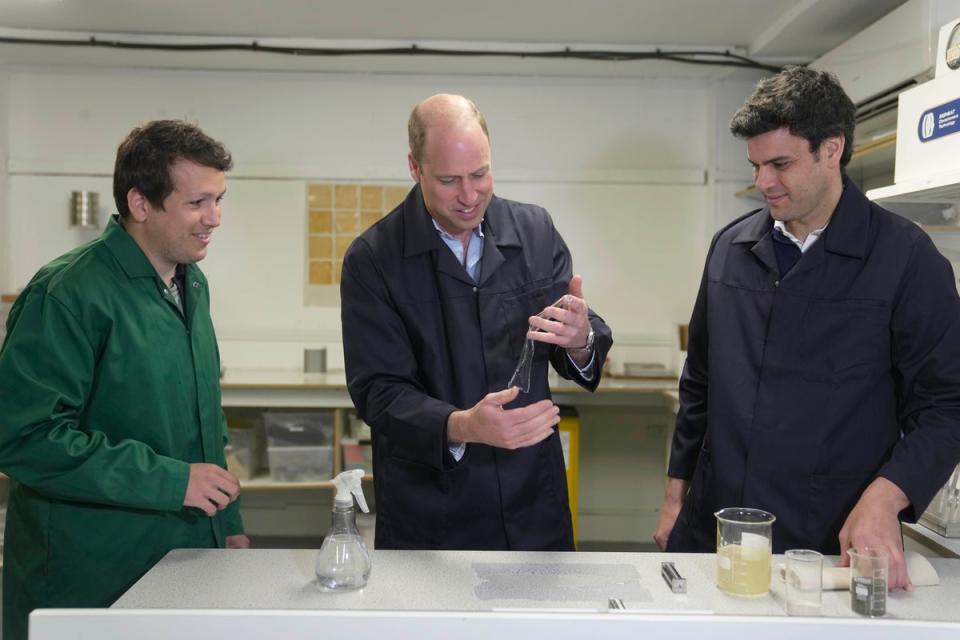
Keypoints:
pixel 294 388
pixel 489 581
pixel 947 547
pixel 282 378
pixel 286 378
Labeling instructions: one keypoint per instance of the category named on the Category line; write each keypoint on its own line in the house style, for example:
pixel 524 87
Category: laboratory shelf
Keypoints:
pixel 942 188
pixel 263 482
pixel 623 413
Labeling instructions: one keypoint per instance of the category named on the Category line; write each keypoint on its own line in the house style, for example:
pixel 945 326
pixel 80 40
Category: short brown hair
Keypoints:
pixel 144 159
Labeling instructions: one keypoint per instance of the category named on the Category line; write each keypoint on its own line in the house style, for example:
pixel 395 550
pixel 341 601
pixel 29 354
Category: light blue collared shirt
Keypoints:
pixel 474 248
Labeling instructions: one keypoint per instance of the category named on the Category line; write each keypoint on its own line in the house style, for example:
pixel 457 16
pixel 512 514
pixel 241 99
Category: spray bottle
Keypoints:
pixel 343 561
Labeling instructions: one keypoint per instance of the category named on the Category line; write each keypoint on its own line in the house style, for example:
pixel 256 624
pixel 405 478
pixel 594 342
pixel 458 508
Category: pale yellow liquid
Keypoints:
pixel 743 571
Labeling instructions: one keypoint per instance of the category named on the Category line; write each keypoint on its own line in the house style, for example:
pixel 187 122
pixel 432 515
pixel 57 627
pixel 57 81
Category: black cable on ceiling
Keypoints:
pixel 712 58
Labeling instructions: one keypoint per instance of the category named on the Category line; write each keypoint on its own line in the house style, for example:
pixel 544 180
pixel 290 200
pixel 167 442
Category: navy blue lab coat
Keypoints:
pixel 422 339
pixel 799 391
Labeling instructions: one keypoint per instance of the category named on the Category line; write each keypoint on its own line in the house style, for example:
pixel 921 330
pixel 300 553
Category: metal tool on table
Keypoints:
pixel 676 582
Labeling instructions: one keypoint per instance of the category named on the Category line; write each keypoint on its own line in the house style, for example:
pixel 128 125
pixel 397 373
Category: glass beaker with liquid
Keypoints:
pixel 868 581
pixel 744 550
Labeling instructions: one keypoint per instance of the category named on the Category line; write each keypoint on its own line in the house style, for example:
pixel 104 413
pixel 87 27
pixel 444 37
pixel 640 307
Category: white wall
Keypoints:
pixel 621 165
pixel 731 171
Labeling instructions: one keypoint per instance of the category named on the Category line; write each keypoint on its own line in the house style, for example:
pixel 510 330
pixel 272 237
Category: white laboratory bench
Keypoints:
pixel 443 594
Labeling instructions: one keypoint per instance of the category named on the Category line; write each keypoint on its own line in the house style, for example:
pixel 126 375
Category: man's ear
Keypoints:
pixel 833 147
pixel 414 167
pixel 138 204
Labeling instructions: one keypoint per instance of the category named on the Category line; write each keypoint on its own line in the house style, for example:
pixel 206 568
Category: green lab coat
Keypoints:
pixel 107 393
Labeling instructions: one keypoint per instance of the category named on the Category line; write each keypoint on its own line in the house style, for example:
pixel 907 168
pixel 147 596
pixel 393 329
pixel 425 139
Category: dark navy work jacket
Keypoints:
pixel 800 390
pixel 421 339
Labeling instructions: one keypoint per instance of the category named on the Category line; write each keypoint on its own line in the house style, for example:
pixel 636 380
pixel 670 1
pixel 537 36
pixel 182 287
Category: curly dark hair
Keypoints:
pixel 811 104
pixel 144 159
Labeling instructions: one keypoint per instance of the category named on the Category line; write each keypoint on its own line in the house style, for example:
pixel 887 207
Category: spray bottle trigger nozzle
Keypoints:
pixel 348 484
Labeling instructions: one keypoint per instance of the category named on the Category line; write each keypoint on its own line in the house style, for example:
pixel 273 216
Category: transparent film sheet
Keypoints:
pixel 521 375
pixel 559 582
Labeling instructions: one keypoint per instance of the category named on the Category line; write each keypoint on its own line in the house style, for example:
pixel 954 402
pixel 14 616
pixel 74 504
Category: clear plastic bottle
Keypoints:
pixel 343 561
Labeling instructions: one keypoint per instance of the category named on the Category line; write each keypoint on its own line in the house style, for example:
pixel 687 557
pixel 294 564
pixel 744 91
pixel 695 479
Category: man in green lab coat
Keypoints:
pixel 111 428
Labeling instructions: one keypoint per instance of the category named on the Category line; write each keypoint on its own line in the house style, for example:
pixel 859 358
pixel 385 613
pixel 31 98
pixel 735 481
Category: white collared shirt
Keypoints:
pixel 807 242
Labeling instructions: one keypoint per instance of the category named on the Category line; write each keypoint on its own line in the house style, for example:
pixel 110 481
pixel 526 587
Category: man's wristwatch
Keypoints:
pixel 589 345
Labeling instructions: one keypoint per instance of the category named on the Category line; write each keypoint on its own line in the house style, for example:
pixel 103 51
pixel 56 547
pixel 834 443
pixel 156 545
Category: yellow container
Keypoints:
pixel 570 440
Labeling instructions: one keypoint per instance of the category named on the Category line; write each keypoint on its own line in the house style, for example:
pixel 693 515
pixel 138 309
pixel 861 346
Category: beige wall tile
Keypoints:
pixel 342 244
pixel 321 272
pixel 321 247
pixel 345 196
pixel 348 222
pixel 371 198
pixel 394 196
pixel 337 213
pixel 320 196
pixel 367 218
pixel 321 222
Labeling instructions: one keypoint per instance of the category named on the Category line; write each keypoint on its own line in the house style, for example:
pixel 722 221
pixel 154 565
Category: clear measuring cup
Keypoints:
pixel 744 550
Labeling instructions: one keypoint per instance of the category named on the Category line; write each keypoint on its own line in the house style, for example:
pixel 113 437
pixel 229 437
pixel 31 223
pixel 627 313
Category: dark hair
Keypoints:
pixel 810 103
pixel 144 159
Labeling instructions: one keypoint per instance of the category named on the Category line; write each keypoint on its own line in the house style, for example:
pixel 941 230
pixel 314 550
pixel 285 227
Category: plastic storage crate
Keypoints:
pixel 305 429
pixel 300 464
pixel 245 452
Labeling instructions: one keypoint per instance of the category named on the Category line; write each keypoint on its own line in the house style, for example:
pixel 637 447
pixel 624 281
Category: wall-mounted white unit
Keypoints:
pixel 928 133
pixel 894 53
